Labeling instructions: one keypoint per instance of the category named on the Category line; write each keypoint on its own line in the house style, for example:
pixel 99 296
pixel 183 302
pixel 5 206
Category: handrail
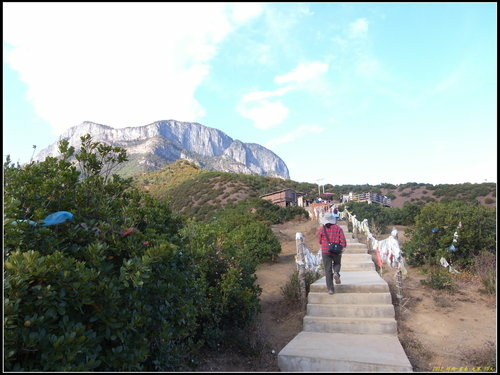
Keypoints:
pixel 387 250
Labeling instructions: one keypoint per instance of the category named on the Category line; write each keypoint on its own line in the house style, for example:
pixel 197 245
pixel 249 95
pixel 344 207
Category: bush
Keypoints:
pixel 227 270
pixel 435 226
pixel 264 211
pixel 100 293
pixel 291 290
pixel 439 278
pixel 485 268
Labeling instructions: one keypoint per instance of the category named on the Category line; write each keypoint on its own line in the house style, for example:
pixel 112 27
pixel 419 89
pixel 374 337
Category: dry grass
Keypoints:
pixel 483 357
pixel 417 354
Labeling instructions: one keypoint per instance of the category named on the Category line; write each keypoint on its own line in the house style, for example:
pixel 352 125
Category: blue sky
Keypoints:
pixel 344 93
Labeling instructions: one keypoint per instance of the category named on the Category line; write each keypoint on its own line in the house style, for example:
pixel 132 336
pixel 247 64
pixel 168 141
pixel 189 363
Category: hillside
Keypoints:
pixel 198 193
pixel 484 193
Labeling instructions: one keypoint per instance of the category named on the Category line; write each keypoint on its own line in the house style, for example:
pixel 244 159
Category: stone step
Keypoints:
pixel 385 326
pixel 351 288
pixel 349 310
pixel 354 243
pixel 356 257
pixel 365 266
pixel 355 250
pixel 352 298
pixel 338 352
pixel 354 281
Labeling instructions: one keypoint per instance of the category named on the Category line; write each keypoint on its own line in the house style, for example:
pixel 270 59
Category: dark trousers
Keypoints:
pixel 328 260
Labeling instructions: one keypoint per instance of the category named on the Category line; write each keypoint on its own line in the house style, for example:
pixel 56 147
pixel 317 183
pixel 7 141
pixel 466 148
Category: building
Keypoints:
pixel 284 198
pixel 368 197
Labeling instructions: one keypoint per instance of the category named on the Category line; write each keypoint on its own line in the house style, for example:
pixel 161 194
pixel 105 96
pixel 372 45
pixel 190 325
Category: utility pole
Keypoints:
pixel 319 191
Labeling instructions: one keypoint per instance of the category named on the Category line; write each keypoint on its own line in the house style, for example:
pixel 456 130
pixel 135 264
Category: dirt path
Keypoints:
pixel 279 321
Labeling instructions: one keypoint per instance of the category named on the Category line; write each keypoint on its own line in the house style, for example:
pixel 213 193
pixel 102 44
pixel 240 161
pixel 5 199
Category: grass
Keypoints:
pixel 483 358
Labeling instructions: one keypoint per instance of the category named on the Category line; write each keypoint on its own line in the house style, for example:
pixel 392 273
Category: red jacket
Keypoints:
pixel 335 234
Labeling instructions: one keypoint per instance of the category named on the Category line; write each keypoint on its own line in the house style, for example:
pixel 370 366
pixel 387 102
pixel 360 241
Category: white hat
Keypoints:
pixel 328 218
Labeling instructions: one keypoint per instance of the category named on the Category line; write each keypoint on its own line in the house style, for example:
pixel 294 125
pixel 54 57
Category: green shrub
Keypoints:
pixel 439 278
pixel 435 226
pixel 227 271
pixel 100 293
pixel 291 290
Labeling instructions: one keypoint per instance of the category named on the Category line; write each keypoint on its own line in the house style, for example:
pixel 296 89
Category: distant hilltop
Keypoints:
pixel 152 146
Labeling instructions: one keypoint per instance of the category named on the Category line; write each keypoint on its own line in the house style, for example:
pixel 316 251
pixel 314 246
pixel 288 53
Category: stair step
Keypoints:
pixel 351 288
pixel 338 352
pixel 355 281
pixel 385 326
pixel 348 310
pixel 357 266
pixel 352 298
pixel 356 257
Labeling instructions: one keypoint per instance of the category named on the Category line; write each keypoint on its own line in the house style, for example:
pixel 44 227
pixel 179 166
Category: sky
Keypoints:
pixel 344 93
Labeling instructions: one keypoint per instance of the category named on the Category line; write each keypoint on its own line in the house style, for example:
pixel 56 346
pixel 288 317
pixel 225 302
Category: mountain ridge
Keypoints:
pixel 154 145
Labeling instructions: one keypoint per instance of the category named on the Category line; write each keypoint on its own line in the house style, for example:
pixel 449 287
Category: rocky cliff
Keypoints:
pixel 151 146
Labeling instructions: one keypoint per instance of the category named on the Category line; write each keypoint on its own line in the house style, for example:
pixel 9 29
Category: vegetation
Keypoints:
pixel 291 290
pixel 485 267
pixel 154 269
pixel 127 285
pixel 433 233
pixel 439 278
pixel 379 217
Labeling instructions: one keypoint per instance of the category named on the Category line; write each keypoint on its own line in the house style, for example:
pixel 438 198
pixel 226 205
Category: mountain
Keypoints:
pixel 152 146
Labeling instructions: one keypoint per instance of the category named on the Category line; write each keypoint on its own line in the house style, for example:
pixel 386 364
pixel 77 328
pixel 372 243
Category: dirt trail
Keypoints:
pixel 279 321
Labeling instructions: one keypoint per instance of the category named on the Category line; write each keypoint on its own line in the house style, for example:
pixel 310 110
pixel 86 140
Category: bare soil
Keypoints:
pixel 439 330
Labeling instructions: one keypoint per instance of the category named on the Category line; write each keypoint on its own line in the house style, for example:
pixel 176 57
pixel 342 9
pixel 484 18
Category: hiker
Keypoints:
pixel 336 213
pixel 330 232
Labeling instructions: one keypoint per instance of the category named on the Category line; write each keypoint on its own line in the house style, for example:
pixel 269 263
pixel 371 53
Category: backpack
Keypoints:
pixel 333 247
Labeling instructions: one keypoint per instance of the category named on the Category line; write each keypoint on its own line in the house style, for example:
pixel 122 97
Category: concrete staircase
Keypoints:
pixel 353 330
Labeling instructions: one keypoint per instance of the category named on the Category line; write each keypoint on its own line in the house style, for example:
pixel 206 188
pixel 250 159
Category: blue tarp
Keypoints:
pixel 58 217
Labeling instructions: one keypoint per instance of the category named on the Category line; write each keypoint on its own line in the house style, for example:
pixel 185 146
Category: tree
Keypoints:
pixel 434 230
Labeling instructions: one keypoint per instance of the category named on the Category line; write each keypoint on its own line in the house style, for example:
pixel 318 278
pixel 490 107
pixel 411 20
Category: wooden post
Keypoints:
pixel 399 289
pixel 301 266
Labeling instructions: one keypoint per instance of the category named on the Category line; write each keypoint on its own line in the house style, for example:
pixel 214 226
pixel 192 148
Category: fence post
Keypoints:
pixel 301 266
pixel 399 289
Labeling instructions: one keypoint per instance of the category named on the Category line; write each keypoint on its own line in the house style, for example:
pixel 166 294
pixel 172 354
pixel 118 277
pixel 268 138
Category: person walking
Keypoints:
pixel 329 232
pixel 336 213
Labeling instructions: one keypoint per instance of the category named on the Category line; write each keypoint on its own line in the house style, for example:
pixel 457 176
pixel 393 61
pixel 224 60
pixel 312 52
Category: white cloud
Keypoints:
pixel 261 95
pixel 264 114
pixel 299 132
pixel 303 72
pixel 243 12
pixel 358 28
pixel 100 61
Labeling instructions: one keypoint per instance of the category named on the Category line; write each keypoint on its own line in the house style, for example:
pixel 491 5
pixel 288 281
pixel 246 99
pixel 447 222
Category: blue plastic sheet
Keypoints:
pixel 58 217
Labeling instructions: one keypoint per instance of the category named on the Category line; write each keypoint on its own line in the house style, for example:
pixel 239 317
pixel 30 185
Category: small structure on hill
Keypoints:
pixel 286 197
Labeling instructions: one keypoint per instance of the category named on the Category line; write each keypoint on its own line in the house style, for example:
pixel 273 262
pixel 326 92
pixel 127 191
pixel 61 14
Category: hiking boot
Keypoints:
pixel 336 277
